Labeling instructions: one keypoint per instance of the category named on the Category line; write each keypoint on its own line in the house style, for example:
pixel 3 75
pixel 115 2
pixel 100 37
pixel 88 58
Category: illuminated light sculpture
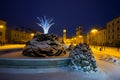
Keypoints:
pixel 45 24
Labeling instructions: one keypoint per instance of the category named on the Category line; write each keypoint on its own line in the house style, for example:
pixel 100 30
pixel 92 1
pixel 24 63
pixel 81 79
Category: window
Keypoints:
pixel 0 33
pixel 118 28
pixel 118 36
pixel 109 26
pixel 15 35
pixel 113 23
pixel 112 30
pixel 112 37
pixel 118 21
pixel 108 37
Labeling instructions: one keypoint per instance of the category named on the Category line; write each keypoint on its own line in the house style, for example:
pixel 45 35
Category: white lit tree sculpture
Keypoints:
pixel 45 24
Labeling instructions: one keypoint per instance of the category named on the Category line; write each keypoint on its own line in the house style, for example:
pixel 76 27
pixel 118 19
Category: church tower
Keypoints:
pixel 64 35
pixel 79 35
pixel 79 31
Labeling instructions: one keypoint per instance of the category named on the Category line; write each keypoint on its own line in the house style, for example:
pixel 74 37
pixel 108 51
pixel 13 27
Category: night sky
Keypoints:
pixel 67 14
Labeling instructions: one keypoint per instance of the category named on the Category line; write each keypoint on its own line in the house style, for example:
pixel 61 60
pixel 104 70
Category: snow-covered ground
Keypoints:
pixel 109 58
pixel 109 64
pixel 109 70
pixel 49 74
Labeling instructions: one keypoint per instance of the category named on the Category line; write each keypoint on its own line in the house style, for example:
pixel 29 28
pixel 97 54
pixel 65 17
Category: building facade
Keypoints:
pixel 2 32
pixel 85 38
pixel 16 35
pixel 79 31
pixel 107 36
pixel 92 37
pixel 101 37
pixel 113 32
pixel 79 36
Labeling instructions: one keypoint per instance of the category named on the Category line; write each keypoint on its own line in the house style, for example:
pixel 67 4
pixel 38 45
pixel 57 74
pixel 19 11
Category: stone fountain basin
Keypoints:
pixel 33 63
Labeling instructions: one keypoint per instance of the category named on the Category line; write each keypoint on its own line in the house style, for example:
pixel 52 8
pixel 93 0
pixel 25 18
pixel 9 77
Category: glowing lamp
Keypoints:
pixel 32 34
pixel 94 30
pixel 64 30
pixel 1 26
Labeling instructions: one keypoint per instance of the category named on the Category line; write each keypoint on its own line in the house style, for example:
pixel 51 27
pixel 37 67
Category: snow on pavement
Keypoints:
pixel 111 70
pixel 49 74
pixel 109 64
pixel 108 71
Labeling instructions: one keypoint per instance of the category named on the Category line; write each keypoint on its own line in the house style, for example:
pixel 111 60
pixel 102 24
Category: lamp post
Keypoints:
pixel 93 34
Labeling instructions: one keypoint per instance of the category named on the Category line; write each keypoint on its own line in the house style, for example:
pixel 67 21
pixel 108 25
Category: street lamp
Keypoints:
pixel 80 36
pixel 94 32
pixel 64 31
pixel 32 34
pixel 1 26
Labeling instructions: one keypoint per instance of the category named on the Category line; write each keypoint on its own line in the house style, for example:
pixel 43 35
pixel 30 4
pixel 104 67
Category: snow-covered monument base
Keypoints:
pixel 82 59
pixel 44 45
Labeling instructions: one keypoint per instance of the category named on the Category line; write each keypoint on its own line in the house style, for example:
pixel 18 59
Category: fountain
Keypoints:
pixel 44 53
pixel 45 24
pixel 44 45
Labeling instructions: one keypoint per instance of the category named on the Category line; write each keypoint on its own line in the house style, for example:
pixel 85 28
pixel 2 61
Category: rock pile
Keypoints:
pixel 82 59
pixel 43 45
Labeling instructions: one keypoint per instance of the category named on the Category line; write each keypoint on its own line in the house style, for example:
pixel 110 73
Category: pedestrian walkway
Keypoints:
pixel 11 46
pixel 109 51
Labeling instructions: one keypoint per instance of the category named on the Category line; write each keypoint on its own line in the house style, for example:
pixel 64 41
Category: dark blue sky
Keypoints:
pixel 67 14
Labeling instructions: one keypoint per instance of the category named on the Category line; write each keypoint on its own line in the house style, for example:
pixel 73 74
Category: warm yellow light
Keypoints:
pixel 74 38
pixel 80 36
pixel 64 30
pixel 32 34
pixel 94 30
pixel 1 26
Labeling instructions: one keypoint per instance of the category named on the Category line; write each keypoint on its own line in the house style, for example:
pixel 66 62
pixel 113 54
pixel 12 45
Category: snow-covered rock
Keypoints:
pixel 43 45
pixel 82 59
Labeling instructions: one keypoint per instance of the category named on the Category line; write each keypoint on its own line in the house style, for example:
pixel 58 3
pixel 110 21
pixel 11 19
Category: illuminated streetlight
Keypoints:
pixel 1 26
pixel 94 30
pixel 80 36
pixel 94 38
pixel 64 30
pixel 32 34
